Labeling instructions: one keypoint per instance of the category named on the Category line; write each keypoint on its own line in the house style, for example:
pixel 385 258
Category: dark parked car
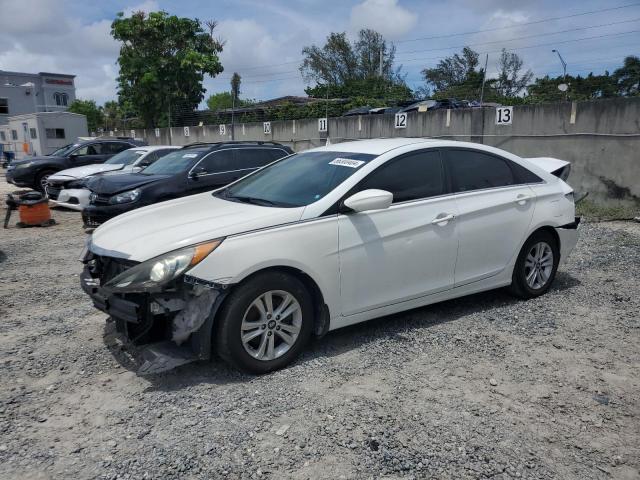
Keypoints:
pixel 193 169
pixel 429 105
pixel 33 172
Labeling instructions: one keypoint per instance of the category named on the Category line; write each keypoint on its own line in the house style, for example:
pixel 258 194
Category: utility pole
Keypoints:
pixel 381 60
pixel 484 78
pixel 564 70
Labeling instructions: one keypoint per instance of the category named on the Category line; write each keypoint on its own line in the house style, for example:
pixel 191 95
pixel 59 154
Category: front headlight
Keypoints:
pixel 126 197
pixel 22 165
pixel 79 183
pixel 161 270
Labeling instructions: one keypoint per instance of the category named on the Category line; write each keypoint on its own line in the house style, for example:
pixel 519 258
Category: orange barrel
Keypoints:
pixel 35 214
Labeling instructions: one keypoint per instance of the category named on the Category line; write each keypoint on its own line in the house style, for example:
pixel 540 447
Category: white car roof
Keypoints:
pixel 376 146
pixel 151 148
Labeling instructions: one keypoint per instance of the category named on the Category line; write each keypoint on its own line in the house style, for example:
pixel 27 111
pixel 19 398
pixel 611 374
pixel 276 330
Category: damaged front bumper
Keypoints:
pixel 173 326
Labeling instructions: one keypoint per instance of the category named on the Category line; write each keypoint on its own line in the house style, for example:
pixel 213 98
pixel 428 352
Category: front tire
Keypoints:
pixel 265 323
pixel 536 266
pixel 41 180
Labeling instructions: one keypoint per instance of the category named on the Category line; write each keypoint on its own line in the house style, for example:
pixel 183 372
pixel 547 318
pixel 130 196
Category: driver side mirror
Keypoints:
pixel 371 199
pixel 197 173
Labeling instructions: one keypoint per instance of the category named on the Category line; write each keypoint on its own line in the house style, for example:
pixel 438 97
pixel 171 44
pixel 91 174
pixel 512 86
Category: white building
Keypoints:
pixel 41 133
pixel 22 93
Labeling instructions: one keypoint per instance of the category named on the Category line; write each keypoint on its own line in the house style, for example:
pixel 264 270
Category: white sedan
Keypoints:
pixel 327 238
pixel 66 188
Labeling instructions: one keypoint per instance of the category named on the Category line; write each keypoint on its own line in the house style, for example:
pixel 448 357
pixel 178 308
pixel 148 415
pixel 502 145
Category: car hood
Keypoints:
pixel 34 159
pixel 112 184
pixel 150 231
pixel 86 171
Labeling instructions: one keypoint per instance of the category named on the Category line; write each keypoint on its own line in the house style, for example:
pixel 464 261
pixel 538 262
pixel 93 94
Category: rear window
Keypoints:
pixel 471 170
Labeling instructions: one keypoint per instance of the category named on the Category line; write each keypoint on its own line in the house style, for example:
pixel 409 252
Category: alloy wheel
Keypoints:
pixel 538 265
pixel 271 325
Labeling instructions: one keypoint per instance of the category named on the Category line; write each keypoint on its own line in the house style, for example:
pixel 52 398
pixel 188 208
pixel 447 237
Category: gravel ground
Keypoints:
pixel 481 387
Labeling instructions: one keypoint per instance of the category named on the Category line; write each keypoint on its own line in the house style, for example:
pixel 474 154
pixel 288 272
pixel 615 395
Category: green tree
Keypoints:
pixel 627 77
pixel 455 71
pixel 591 87
pixel 88 108
pixel 223 100
pixel 163 60
pixel 112 115
pixel 511 80
pixel 235 87
pixel 352 70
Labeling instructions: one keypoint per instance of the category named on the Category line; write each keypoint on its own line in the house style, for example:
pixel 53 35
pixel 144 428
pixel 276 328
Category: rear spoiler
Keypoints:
pixel 555 166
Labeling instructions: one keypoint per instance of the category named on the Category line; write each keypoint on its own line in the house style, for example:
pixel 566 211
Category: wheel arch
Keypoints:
pixel 321 309
pixel 546 228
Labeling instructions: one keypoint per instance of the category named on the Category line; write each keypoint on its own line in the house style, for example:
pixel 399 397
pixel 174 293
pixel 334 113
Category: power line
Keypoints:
pixel 522 38
pixel 535 22
pixel 481 44
pixel 557 42
pixel 253 67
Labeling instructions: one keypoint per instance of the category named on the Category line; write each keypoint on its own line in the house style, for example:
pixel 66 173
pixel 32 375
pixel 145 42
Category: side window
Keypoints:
pixel 410 177
pixel 149 159
pixel 33 133
pixel 472 170
pixel 57 133
pixel 112 148
pixel 254 158
pixel 93 149
pixel 277 154
pixel 4 106
pixel 220 161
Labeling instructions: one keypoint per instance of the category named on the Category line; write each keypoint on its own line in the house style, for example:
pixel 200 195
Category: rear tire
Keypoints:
pixel 41 180
pixel 536 266
pixel 265 323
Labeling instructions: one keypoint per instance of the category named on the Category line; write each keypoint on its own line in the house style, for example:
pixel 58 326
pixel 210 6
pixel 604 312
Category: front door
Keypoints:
pixel 406 251
pixel 494 213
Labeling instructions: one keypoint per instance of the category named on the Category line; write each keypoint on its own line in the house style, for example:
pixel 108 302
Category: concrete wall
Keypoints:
pixel 600 138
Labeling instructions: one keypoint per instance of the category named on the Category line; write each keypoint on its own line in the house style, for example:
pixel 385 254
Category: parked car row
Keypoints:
pixel 314 241
pixel 33 172
pixel 103 185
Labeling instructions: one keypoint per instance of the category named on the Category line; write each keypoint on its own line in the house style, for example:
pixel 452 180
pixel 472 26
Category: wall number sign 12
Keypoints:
pixel 401 120
pixel 504 115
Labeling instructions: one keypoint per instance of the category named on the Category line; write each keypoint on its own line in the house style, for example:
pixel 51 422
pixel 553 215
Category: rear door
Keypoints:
pixel 494 212
pixel 407 250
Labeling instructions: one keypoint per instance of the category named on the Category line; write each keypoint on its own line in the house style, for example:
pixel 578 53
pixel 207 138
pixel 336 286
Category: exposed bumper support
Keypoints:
pixel 568 238
pixel 186 320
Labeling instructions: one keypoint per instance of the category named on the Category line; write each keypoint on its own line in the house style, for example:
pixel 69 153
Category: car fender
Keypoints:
pixel 310 246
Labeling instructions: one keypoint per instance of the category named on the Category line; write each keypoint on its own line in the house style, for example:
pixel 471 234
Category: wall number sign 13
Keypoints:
pixel 504 115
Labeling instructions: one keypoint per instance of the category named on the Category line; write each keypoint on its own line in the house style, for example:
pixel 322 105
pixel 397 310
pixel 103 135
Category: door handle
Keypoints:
pixel 521 199
pixel 445 218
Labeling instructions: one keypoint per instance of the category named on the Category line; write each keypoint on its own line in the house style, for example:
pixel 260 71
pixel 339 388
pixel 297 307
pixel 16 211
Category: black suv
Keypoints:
pixel 195 168
pixel 33 172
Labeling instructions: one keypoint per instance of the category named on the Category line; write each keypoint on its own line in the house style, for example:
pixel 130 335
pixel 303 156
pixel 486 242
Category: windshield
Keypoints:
pixel 64 150
pixel 176 162
pixel 125 158
pixel 297 180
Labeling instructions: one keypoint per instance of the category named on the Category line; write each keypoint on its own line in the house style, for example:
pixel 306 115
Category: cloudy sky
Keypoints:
pixel 264 38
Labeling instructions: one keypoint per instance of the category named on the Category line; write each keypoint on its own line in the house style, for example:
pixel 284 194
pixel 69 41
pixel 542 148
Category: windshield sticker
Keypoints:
pixel 346 162
pixel 190 155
